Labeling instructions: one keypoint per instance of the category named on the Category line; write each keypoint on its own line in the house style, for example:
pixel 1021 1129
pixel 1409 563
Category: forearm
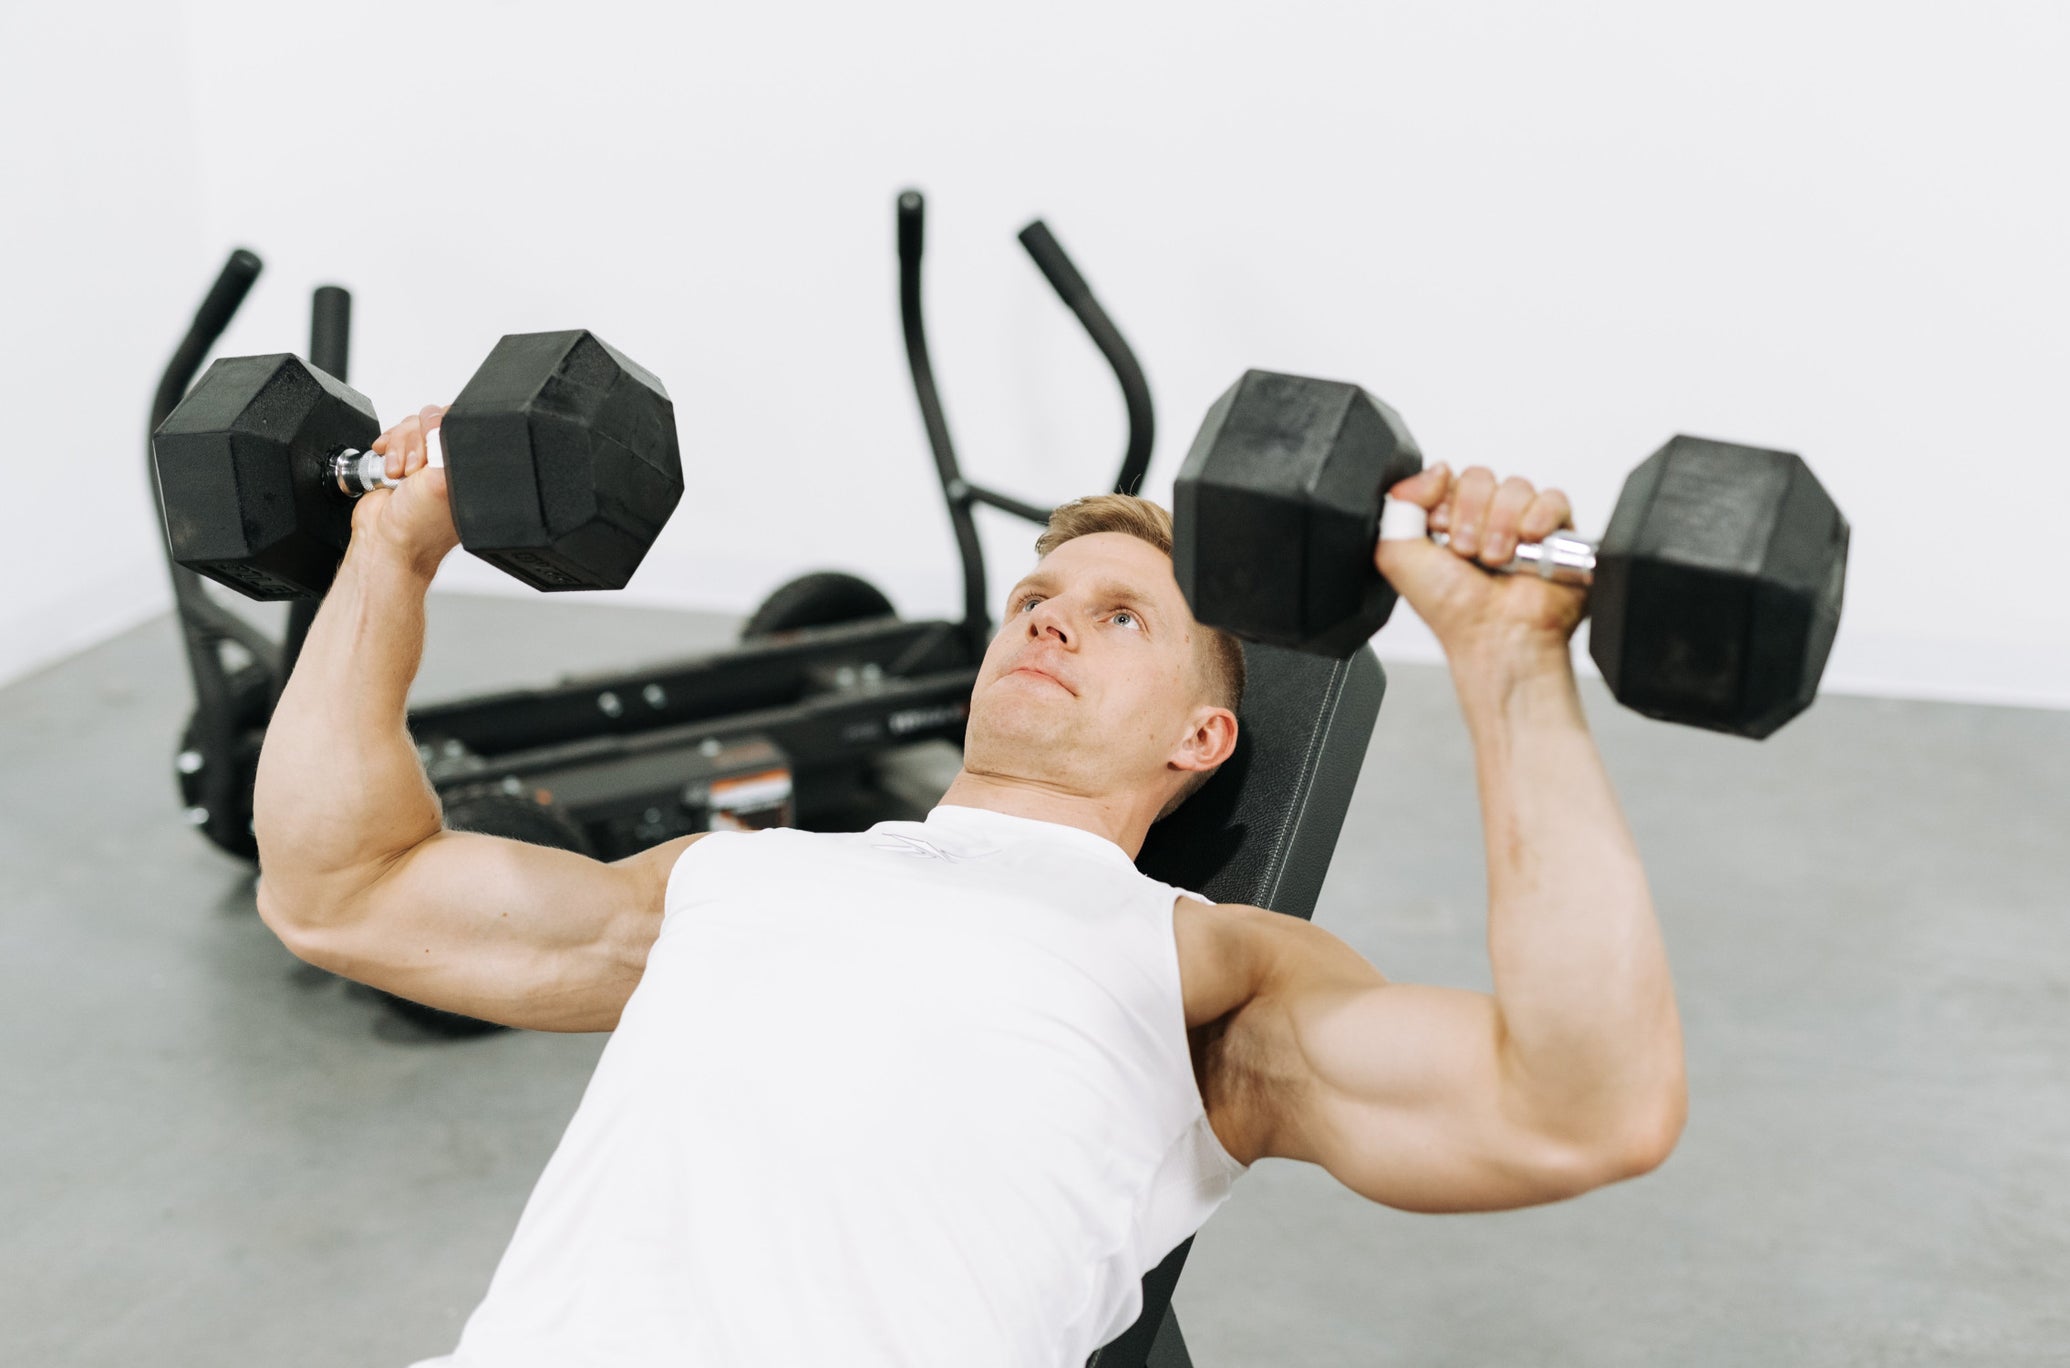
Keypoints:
pixel 341 793
pixel 1591 1034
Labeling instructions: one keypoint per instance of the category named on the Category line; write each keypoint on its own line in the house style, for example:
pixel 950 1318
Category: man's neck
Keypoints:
pixel 1115 817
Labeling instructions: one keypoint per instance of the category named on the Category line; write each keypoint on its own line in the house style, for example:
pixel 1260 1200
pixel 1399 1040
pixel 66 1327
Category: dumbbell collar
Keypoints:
pixel 355 473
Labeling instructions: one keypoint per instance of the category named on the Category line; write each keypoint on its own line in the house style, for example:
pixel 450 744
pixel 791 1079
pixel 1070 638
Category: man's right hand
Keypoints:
pixel 413 523
pixel 1472 612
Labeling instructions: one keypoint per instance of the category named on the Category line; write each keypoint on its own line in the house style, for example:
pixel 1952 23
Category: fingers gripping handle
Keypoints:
pixel 362 472
pixel 1562 557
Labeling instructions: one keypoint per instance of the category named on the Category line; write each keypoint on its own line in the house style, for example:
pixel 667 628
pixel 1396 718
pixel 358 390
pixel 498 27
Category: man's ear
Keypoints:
pixel 1210 741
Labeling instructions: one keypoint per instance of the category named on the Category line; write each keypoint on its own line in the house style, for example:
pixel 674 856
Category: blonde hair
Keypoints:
pixel 1217 656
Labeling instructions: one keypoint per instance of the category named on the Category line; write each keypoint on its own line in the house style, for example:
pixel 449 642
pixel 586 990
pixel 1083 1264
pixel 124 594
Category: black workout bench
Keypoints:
pixel 1260 832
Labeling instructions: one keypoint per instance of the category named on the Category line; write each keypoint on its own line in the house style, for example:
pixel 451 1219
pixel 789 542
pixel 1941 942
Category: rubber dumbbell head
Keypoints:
pixel 1277 509
pixel 562 461
pixel 1718 587
pixel 242 472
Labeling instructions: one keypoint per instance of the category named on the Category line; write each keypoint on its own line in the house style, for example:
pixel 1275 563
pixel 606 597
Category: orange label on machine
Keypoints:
pixel 751 802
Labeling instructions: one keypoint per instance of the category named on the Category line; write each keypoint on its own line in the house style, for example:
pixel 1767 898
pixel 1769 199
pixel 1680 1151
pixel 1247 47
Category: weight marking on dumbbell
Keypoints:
pixel 544 569
pixel 189 762
pixel 197 816
pixel 609 704
pixel 655 696
pixel 251 576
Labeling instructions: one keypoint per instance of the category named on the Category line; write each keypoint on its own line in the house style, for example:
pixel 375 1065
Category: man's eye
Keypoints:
pixel 1128 619
pixel 1027 601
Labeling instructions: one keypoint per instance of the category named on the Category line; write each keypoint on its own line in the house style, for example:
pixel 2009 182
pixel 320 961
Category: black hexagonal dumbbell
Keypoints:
pixel 1715 592
pixel 560 456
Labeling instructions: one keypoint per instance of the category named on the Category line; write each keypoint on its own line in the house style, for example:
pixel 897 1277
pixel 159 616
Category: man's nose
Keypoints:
pixel 1048 619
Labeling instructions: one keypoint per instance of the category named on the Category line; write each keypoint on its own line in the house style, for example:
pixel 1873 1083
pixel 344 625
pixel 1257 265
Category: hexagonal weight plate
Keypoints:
pixel 562 460
pixel 1277 510
pixel 1718 587
pixel 242 473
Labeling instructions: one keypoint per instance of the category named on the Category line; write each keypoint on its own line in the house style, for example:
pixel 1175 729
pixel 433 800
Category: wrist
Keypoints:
pixel 396 567
pixel 1514 676
pixel 1516 653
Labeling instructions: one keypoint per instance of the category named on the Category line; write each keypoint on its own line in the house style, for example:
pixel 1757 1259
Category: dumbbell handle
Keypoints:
pixel 354 473
pixel 1563 557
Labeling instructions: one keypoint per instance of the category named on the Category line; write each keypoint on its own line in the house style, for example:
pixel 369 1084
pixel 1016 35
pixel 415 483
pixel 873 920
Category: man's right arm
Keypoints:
pixel 358 874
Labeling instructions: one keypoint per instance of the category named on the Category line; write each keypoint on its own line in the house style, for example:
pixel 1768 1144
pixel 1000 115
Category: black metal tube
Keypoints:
pixel 330 351
pixel 204 624
pixel 233 283
pixel 1006 503
pixel 330 330
pixel 1070 286
pixel 912 210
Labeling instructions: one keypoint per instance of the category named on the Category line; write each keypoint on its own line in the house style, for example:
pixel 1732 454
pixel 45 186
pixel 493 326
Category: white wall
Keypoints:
pixel 1550 238
pixel 102 253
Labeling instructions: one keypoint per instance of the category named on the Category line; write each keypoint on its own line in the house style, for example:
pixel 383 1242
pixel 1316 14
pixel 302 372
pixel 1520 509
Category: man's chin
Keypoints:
pixel 1024 718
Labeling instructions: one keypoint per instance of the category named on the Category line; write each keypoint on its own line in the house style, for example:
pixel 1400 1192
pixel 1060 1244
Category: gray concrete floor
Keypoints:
pixel 211 1154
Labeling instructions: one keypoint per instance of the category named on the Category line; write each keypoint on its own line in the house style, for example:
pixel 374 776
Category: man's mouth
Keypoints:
pixel 1040 673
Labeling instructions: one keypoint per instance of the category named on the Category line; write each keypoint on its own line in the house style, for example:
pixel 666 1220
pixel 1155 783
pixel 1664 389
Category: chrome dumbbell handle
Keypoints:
pixel 354 472
pixel 1562 557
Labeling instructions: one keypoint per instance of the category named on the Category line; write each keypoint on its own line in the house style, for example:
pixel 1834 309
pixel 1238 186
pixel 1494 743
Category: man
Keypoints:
pixel 941 1092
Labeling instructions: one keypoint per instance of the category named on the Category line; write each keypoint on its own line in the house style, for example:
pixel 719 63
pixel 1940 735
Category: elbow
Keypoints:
pixel 1647 1151
pixel 298 923
pixel 1655 1108
pixel 323 915
pixel 1644 1143
pixel 1616 1150
pixel 278 913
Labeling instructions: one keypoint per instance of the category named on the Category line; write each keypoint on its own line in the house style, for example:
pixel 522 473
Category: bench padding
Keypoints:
pixel 1260 832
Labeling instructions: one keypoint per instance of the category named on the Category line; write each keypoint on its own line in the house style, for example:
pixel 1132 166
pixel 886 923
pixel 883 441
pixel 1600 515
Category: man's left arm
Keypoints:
pixel 1590 1043
pixel 1570 1074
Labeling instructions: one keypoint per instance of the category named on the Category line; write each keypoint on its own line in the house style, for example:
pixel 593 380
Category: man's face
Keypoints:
pixel 1091 682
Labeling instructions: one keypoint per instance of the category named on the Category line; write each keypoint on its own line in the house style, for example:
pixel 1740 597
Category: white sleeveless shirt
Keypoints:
pixel 915 1096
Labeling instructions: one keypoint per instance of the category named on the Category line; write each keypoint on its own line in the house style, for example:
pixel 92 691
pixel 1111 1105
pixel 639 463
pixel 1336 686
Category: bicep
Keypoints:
pixel 1401 1092
pixel 503 930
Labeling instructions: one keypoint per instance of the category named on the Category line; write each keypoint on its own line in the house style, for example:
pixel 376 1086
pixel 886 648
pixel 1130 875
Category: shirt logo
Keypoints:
pixel 913 846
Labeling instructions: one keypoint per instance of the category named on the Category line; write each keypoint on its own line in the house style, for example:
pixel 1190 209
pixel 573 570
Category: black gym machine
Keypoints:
pixel 788 726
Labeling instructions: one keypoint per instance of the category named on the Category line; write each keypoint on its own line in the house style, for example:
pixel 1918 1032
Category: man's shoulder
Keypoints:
pixel 650 870
pixel 1224 952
